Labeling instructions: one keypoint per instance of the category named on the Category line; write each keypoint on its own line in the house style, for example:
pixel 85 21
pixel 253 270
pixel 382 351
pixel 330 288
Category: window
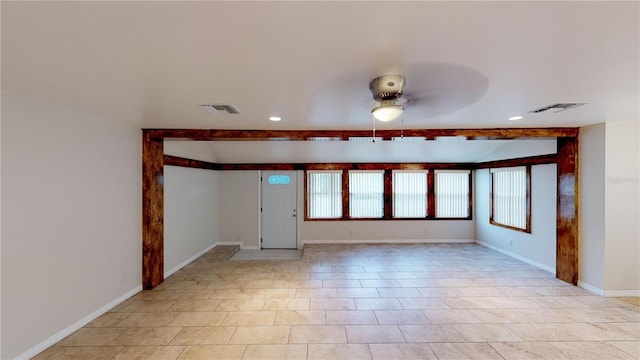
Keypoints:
pixel 510 197
pixel 398 192
pixel 366 194
pixel 452 193
pixel 324 194
pixel 410 193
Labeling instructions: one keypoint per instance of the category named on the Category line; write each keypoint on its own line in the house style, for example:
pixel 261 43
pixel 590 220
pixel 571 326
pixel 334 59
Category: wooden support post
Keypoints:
pixel 431 193
pixel 567 211
pixel 387 210
pixel 152 211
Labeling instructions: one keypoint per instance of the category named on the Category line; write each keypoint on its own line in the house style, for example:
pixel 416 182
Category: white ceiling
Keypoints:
pixel 467 64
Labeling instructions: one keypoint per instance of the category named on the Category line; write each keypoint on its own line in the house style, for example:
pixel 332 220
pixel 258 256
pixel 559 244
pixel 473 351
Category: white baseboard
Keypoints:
pixel 519 257
pixel 622 293
pixel 589 287
pixel 188 261
pixel 387 241
pixel 77 325
pixel 239 243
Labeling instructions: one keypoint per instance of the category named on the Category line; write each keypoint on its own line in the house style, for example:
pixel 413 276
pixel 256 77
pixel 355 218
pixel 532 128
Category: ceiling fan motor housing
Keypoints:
pixel 387 87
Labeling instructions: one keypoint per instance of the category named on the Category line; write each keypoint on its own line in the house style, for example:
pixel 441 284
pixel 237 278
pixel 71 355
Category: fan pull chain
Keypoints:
pixel 373 119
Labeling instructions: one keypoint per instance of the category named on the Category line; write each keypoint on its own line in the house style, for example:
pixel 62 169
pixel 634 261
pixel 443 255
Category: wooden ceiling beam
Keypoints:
pixel 344 135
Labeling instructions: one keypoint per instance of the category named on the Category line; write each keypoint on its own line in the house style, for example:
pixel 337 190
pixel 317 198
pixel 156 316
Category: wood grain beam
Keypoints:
pixel 152 212
pixel 343 135
pixel 190 163
pixel 523 161
pixel 567 211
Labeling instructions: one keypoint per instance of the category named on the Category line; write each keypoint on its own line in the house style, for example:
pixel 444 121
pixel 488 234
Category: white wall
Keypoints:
pixel 238 210
pixel 539 246
pixel 238 221
pixel 71 230
pixel 195 150
pixel 190 215
pixel 622 234
pixel 522 148
pixel 591 207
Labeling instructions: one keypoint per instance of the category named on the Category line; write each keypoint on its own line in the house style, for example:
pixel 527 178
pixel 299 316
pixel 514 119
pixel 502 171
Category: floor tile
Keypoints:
pixel 430 333
pixel 358 293
pixel 501 316
pixel 423 303
pixel 148 352
pixel 261 335
pixel 85 352
pixel 544 332
pixel 233 294
pixel 377 303
pixel 446 316
pixel 236 318
pixel 274 293
pixel 148 306
pixel 300 317
pixel 527 350
pixel 147 336
pixel 92 337
pixel 401 317
pixel 318 334
pixel 195 305
pixel 321 293
pixel 285 351
pixel 591 350
pixel 146 320
pixel 203 352
pixel 351 317
pixel 109 319
pixel 338 351
pixel 332 304
pixel 469 351
pixel 485 332
pixel 286 304
pixel 630 347
pixel 399 292
pixel 402 351
pixel 240 305
pixel 373 334
pixel 199 318
pixel 204 335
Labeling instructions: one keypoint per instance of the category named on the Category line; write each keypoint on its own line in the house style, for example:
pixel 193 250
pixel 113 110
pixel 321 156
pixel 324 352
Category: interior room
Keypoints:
pixel 457 179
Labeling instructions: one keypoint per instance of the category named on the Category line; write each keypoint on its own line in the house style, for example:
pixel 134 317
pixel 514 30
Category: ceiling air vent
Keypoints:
pixel 557 107
pixel 217 109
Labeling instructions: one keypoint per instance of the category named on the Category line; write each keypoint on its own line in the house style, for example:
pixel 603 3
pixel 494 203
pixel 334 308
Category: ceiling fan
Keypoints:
pixel 387 91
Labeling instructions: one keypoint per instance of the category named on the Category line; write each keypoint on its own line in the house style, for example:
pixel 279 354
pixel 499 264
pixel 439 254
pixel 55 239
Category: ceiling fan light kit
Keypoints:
pixel 386 90
pixel 387 112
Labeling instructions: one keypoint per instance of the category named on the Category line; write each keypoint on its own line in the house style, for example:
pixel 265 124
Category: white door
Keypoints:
pixel 279 210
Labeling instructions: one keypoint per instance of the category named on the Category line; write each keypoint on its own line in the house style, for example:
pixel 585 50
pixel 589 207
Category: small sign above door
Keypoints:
pixel 279 180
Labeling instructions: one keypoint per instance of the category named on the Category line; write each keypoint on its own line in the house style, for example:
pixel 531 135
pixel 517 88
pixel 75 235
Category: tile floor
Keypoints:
pixel 458 301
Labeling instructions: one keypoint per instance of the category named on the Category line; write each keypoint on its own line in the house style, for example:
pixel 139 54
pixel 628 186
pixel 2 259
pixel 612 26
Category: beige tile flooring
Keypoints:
pixel 436 301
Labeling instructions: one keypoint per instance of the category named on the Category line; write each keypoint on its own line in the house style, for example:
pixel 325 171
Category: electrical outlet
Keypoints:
pixel 123 279
pixel 511 242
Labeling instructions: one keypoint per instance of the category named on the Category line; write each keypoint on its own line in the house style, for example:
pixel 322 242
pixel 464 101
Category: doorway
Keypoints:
pixel 278 210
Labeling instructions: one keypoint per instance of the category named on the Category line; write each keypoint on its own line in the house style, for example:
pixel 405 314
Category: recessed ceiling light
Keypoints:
pixel 515 118
pixel 275 118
